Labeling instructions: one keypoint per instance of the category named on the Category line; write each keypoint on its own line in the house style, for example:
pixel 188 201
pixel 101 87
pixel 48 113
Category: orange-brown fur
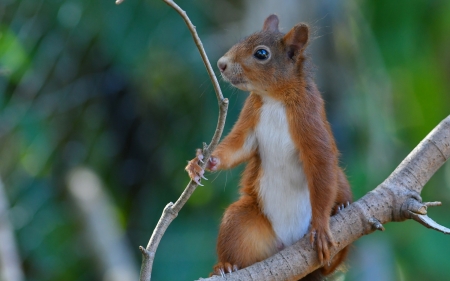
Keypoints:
pixel 246 235
pixel 235 139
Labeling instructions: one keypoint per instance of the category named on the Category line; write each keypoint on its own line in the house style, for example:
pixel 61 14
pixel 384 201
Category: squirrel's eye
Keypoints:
pixel 261 54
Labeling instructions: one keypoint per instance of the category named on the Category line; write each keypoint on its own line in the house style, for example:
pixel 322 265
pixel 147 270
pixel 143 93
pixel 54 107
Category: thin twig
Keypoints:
pixel 199 44
pixel 171 210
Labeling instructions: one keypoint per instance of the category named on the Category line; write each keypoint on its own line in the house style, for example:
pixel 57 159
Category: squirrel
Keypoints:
pixel 292 183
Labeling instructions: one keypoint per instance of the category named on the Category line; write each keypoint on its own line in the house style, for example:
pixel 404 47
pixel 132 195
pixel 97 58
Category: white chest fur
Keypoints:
pixel 283 187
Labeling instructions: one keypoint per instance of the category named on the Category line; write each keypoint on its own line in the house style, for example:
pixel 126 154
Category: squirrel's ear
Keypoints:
pixel 296 39
pixel 271 23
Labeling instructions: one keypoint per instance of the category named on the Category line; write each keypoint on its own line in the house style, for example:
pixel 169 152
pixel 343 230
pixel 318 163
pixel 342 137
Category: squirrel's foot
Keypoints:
pixel 323 240
pixel 194 170
pixel 223 268
pixel 340 207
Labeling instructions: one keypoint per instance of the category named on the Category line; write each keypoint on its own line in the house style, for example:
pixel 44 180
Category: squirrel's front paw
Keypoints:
pixel 323 239
pixel 213 163
pixel 194 170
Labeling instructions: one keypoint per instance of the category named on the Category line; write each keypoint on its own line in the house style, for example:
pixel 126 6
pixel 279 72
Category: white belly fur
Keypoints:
pixel 283 186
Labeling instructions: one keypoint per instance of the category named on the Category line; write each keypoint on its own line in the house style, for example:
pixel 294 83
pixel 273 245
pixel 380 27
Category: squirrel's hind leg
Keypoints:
pixel 245 236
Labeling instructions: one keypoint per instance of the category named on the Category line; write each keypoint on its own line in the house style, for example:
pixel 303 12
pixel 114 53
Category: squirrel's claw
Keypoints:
pixel 197 181
pixel 223 268
pixel 199 154
pixel 323 240
pixel 222 272
pixel 340 207
pixel 201 174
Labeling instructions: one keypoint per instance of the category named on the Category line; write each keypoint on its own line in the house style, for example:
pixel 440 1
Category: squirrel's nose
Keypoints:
pixel 222 64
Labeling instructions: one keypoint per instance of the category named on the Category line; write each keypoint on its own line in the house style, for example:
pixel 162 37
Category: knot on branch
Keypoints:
pixel 412 205
pixel 413 209
pixel 169 210
pixel 376 224
pixel 412 201
pixel 146 253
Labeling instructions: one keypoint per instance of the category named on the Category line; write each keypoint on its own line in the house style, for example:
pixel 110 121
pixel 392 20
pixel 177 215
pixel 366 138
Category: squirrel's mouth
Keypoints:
pixel 241 85
pixel 235 81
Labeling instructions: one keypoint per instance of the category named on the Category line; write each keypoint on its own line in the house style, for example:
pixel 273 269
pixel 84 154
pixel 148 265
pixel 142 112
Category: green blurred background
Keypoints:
pixel 122 92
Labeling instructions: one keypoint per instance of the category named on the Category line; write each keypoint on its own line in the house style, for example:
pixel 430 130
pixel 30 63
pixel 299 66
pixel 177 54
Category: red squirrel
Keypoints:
pixel 292 183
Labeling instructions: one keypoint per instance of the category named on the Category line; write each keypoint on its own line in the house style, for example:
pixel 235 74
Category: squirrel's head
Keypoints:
pixel 266 60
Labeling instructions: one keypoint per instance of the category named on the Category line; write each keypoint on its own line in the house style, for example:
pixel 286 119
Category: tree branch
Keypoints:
pixel 10 264
pixel 171 210
pixel 101 228
pixel 396 199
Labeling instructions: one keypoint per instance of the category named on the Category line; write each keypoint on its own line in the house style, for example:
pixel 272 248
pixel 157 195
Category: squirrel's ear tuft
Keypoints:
pixel 296 39
pixel 271 23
